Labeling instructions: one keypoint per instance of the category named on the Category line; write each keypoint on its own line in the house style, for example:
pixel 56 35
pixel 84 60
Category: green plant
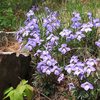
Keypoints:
pixel 55 49
pixel 22 91
pixel 11 11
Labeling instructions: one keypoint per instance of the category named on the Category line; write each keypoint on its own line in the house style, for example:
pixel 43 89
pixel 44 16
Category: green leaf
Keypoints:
pixel 28 93
pixel 23 82
pixel 8 90
pixel 10 94
pixel 29 87
pixel 20 89
pixel 18 93
pixel 18 96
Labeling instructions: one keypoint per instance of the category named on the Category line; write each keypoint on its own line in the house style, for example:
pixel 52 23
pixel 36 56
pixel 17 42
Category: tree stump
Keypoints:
pixel 13 68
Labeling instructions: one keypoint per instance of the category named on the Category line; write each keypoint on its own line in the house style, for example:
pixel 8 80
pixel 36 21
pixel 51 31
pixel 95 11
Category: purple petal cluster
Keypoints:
pixel 76 20
pixel 49 46
pixel 35 8
pixel 80 28
pixel 52 41
pixel 74 59
pixel 67 33
pixel 71 86
pixel 90 16
pixel 96 22
pixel 30 13
pixel 86 86
pixel 30 32
pixel 79 68
pixel 87 27
pixel 98 43
pixel 79 35
pixel 48 64
pixel 64 49
pixel 61 77
pixel 38 53
pixel 32 42
pixel 51 23
pixel 89 66
pixel 30 37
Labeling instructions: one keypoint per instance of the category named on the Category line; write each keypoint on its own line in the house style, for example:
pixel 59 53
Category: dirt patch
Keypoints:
pixel 8 43
pixel 13 46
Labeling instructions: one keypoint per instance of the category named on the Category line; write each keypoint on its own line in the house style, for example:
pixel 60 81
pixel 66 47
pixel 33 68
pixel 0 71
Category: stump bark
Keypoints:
pixel 13 68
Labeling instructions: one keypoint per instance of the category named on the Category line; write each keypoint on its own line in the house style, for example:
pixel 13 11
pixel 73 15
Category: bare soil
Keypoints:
pixel 13 46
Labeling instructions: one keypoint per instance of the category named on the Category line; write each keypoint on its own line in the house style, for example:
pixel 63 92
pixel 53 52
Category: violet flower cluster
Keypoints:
pixel 81 70
pixel 68 34
pixel 49 65
pixel 86 86
pixel 30 32
pixel 76 20
pixel 64 49
pixel 52 40
pixel 30 35
pixel 51 23
pixel 80 28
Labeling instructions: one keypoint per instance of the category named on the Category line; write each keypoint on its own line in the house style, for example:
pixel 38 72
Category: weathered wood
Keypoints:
pixel 13 68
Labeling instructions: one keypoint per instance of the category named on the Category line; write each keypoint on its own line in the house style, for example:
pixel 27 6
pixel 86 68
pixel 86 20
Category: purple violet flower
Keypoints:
pixel 76 17
pixel 61 77
pixel 35 8
pixel 76 25
pixel 71 86
pixel 90 62
pixel 56 72
pixel 98 43
pixel 69 68
pixel 38 52
pixel 64 49
pixel 74 59
pixel 79 35
pixel 65 32
pixel 30 32
pixel 78 71
pixel 96 22
pixel 75 20
pixel 90 16
pixel 48 65
pixel 89 69
pixel 51 23
pixel 30 13
pixel 53 39
pixel 68 34
pixel 49 46
pixel 87 27
pixel 86 86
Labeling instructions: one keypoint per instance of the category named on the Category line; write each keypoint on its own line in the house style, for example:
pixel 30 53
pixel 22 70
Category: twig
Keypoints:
pixel 14 32
pixel 45 96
